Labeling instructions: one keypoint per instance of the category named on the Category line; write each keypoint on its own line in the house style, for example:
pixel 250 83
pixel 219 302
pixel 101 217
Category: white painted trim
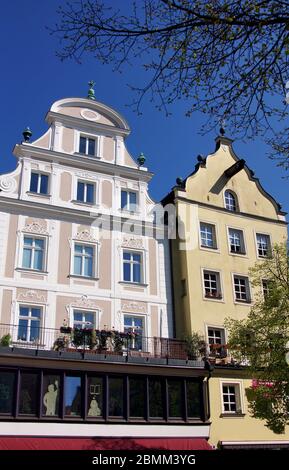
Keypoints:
pixel 216 227
pixel 232 443
pixel 221 284
pixel 101 430
pixel 262 258
pixel 233 382
pixel 245 255
pixel 248 304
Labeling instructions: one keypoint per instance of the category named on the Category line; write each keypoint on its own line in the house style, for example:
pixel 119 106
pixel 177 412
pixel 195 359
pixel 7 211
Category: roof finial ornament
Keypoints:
pixel 90 94
pixel 222 124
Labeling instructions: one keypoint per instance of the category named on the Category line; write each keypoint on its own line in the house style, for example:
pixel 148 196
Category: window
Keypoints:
pixel 137 395
pixel 263 245
pixel 94 397
pixel 129 200
pixel 72 395
pixel 134 326
pixel 85 192
pixel 193 398
pixel 216 340
pixel 83 260
pixel 156 398
pixel 212 285
pixel 83 319
pixel 51 393
pixel 28 399
pixel 116 396
pixel 87 146
pixel 39 183
pixel 7 391
pixel 33 253
pixel 208 235
pixel 29 324
pixel 175 395
pixel 231 398
pixel 236 241
pixel 241 287
pixel 266 288
pixel 231 201
pixel 132 267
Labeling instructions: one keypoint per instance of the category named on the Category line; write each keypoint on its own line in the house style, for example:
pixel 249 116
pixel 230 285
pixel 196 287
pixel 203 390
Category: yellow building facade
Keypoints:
pixel 226 223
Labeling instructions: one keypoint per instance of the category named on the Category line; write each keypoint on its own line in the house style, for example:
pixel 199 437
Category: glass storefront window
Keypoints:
pixel 137 397
pixel 94 397
pixel 7 387
pixel 50 394
pixel 116 396
pixel 175 393
pixel 28 399
pixel 193 399
pixel 156 397
pixel 72 395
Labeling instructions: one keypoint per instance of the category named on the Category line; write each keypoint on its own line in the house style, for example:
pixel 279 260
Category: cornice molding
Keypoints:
pixel 81 162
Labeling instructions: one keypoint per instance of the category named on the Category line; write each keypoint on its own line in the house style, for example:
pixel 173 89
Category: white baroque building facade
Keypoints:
pixel 81 253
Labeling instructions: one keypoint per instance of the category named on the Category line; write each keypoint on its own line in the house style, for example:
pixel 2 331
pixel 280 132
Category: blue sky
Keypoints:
pixel 32 78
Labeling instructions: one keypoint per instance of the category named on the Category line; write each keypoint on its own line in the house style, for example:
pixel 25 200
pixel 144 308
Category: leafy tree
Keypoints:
pixel 228 58
pixel 261 340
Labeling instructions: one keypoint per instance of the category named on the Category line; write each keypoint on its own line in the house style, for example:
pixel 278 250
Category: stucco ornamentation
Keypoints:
pixel 31 296
pixel 86 235
pixel 83 302
pixel 131 242
pixel 8 184
pixel 35 227
pixel 86 175
pixel 89 115
pixel 135 307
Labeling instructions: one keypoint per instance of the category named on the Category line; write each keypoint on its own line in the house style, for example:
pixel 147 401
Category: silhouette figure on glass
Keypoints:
pixel 49 399
pixel 94 409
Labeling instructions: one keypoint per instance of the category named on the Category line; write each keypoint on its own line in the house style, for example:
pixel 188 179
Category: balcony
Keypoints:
pixel 78 343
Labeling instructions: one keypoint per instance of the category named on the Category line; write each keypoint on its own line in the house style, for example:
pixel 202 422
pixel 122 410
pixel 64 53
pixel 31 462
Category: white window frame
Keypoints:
pixel 243 242
pixel 29 318
pixel 98 144
pixel 215 243
pixel 143 271
pixel 223 334
pixel 239 386
pixel 40 173
pixel 144 329
pixel 95 246
pixel 219 284
pixel 45 252
pixel 269 247
pixel 248 289
pixel 86 182
pixel 84 311
pixel 236 200
pixel 128 207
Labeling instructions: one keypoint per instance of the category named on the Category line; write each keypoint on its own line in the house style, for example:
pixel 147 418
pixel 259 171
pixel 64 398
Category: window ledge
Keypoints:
pixel 242 302
pixel 135 284
pixel 83 203
pixel 31 193
pixel 34 271
pixel 232 415
pixel 93 157
pixel 78 276
pixel 238 253
pixel 124 211
pixel 205 247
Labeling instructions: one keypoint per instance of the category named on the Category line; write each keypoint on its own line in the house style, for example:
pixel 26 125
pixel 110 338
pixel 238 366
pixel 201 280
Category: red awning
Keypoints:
pixel 99 443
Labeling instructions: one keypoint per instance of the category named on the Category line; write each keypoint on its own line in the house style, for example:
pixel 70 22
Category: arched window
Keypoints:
pixel 231 202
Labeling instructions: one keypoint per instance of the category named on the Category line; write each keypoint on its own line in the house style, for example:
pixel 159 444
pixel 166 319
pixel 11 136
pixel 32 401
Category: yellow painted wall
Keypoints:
pixel 236 428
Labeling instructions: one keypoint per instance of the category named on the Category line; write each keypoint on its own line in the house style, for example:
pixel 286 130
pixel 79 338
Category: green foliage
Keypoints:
pixel 261 340
pixel 5 340
pixel 195 346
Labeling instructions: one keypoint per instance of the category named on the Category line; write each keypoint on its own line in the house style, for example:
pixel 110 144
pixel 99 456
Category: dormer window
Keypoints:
pixel 87 146
pixel 231 202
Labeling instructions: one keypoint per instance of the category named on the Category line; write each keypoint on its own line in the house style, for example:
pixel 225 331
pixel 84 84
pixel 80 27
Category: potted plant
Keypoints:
pixel 195 346
pixel 5 341
pixel 65 328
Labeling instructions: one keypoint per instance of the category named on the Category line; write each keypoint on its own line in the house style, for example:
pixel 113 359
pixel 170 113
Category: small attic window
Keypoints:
pixel 87 146
pixel 231 201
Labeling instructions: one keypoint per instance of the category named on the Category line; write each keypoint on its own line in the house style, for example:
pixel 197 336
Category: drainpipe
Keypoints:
pixel 210 368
